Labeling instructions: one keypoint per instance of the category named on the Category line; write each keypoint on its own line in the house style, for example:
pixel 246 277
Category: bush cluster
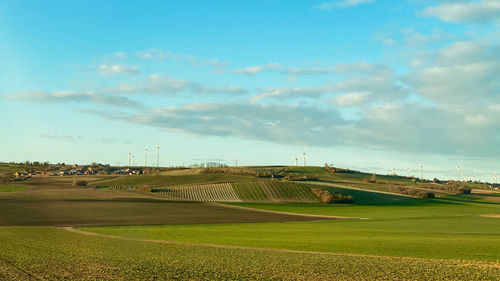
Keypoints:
pixel 412 192
pixel 338 170
pixel 81 183
pixel 326 197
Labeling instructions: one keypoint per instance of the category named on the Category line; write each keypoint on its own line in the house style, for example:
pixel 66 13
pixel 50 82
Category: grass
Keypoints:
pixel 53 254
pixel 401 240
pixel 444 229
pixel 13 188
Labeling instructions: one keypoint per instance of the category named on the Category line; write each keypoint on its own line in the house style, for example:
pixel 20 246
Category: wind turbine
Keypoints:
pixel 421 171
pixel 304 155
pixel 408 170
pixel 458 171
pixel 146 158
pixel 157 157
pixel 393 171
pixel 129 158
pixel 496 178
pixel 133 160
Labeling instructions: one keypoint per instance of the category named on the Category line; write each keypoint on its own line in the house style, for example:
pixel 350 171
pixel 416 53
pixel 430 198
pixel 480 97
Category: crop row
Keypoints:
pixel 250 192
pixel 288 192
pixel 218 192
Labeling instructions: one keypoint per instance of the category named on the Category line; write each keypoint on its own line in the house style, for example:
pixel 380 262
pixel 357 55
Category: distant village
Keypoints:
pixel 26 170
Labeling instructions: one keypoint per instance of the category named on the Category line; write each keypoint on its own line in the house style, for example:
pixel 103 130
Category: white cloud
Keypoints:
pixel 288 93
pixel 351 99
pixel 404 126
pixel 308 70
pixel 118 69
pixel 463 73
pixel 77 97
pixel 471 11
pixel 164 85
pixel 253 70
pixel 277 123
pixel 362 77
pixel 160 55
pixel 280 68
pixel 342 4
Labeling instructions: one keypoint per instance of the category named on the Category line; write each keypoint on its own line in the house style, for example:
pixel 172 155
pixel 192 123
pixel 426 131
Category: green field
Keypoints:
pixel 137 234
pixel 13 188
pixel 447 229
pixel 45 253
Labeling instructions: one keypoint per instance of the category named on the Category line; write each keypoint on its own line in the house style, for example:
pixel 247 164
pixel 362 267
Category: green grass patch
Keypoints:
pixel 443 229
pixel 13 188
pixel 370 197
pixel 54 254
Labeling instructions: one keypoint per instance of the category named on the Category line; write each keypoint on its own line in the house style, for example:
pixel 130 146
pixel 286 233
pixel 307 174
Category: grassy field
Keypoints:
pixel 447 229
pixel 13 187
pixel 53 254
pixel 141 235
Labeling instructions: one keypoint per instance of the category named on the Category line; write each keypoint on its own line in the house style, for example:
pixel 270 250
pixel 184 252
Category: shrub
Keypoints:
pixel 326 197
pixel 145 188
pixel 430 195
pixel 81 183
pixel 466 190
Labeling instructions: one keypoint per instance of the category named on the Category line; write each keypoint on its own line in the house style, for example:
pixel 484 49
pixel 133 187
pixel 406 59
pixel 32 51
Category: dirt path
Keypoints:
pixel 287 213
pixel 491 216
pixel 198 244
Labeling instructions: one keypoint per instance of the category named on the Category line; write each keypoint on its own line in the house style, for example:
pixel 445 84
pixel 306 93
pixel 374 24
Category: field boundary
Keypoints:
pixel 199 244
pixel 287 213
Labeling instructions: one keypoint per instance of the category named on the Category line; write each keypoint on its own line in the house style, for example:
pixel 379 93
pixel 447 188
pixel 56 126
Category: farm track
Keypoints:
pixel 198 244
pixel 288 213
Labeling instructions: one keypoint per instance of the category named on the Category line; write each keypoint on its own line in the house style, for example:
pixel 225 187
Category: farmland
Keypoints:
pixel 13 188
pixel 421 230
pixel 191 225
pixel 59 254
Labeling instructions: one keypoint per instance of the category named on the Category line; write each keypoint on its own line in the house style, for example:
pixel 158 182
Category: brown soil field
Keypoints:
pixel 95 207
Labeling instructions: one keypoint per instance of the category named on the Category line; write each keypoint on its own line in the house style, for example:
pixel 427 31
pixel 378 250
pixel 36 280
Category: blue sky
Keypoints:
pixel 365 84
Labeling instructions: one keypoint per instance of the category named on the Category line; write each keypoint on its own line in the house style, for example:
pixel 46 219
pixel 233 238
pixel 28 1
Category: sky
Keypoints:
pixel 371 85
